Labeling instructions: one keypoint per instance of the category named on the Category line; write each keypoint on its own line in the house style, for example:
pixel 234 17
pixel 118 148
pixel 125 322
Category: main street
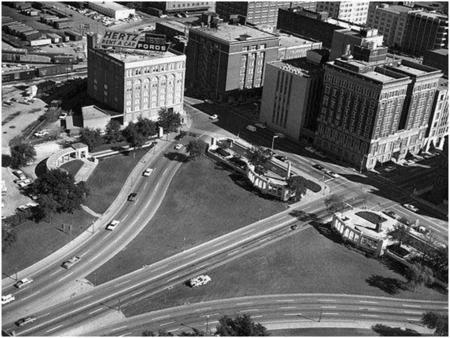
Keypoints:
pixel 300 309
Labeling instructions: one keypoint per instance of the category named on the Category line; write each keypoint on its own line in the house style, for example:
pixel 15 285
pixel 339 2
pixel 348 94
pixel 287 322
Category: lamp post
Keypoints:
pixel 273 141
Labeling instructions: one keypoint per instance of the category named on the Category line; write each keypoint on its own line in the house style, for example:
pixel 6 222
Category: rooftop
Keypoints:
pixel 287 40
pixel 432 15
pixel 360 67
pixel 300 66
pixel 128 57
pixel 110 4
pixel 411 70
pixel 442 51
pixel 397 9
pixel 233 33
pixel 92 112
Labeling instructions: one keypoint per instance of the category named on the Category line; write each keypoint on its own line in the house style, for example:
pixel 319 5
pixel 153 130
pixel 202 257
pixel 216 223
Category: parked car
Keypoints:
pixel 147 172
pixel 331 173
pixel 71 262
pixel 251 128
pixel 41 133
pixel 411 207
pixel 25 321
pixel 132 197
pixel 199 281
pixel 178 146
pixel 392 214
pixel 8 299
pixel 112 225
pixel 214 117
pixel 24 281
pixel 282 158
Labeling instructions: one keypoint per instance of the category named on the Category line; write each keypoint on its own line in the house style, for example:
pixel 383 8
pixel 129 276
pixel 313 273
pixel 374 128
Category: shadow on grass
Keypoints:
pixel 384 330
pixel 41 168
pixel 389 285
pixel 326 231
pixel 174 156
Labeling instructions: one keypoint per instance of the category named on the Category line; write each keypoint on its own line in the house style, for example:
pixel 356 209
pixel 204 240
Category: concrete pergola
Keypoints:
pixel 77 151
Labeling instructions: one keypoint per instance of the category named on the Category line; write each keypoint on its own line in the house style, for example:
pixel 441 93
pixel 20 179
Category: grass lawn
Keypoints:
pixel 37 240
pixel 73 166
pixel 108 178
pixel 306 262
pixel 202 203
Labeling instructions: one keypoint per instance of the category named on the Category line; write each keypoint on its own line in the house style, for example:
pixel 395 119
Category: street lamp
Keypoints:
pixel 273 140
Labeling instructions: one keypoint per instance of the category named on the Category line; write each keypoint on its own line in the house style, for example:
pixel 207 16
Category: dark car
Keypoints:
pixel 317 166
pixel 223 152
pixel 281 158
pixel 132 197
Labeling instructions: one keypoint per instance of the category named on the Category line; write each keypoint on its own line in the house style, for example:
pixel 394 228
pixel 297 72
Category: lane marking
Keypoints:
pixel 368 308
pixel 202 309
pixel 287 307
pixel 258 316
pixel 166 323
pixel 125 281
pixel 212 314
pixel 291 314
pixel 331 313
pixel 82 299
pixel 136 293
pixel 368 301
pixel 327 300
pixel 55 328
pixel 54 273
pixel 95 311
pixel 31 295
pixel 162 317
pixel 368 315
pixel 328 307
pixel 174 330
pixel 174 277
pixel 413 312
pixel 119 328
pixel 411 305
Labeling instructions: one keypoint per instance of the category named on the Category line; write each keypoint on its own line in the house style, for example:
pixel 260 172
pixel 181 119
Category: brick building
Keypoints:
pixel 438 123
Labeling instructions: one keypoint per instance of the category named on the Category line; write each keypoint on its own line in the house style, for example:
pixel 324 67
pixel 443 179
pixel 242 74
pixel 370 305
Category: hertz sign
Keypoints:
pixel 155 42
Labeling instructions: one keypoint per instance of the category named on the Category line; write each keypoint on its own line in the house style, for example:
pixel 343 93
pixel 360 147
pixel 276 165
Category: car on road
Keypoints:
pixel 392 214
pixel 318 166
pixel 71 262
pixel 112 225
pixel 214 117
pixel 41 133
pixel 411 207
pixel 178 146
pixel 331 173
pixel 282 158
pixel 8 299
pixel 147 172
pixel 24 281
pixel 199 281
pixel 251 128
pixel 132 197
pixel 25 321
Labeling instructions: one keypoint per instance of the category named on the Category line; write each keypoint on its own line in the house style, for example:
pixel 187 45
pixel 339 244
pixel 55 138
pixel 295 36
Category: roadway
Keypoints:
pixel 269 309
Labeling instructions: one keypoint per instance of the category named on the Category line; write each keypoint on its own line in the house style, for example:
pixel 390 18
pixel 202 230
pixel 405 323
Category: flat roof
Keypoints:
pixel 442 51
pixel 92 112
pixel 411 70
pixel 287 40
pixel 128 57
pixel 112 5
pixel 300 66
pixel 232 33
pixel 397 9
pixel 432 15
pixel 361 65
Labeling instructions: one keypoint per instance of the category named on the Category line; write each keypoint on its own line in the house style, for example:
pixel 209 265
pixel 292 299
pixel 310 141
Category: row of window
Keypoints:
pixel 154 69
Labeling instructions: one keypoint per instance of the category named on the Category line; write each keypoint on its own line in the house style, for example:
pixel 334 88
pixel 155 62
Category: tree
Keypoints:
pixel 297 184
pixel 21 154
pixel 47 206
pixel 92 137
pixel 196 148
pixel 400 233
pixel 418 274
pixel 8 237
pixel 133 137
pixel 59 186
pixel 146 127
pixel 259 157
pixel 334 203
pixel 240 326
pixel 169 120
pixel 112 132
pixel 436 321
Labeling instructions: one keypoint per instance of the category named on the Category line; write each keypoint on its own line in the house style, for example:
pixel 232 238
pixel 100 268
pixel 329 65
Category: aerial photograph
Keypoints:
pixel 240 168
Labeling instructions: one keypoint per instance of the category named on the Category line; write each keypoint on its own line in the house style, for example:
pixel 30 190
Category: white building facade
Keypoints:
pixel 352 11
pixel 112 9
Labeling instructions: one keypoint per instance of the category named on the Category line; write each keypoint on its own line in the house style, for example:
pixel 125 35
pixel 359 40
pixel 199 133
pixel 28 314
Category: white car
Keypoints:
pixel 411 207
pixel 8 299
pixel 26 320
pixel 147 172
pixel 251 128
pixel 63 116
pixel 41 133
pixel 178 146
pixel 200 280
pixel 214 117
pixel 25 281
pixel 112 225
pixel 71 262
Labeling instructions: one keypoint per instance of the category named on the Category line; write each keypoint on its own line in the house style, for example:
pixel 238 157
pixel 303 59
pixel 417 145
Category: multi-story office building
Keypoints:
pixel 351 11
pixel 438 123
pixel 390 20
pixel 258 12
pixel 425 31
pixel 344 37
pixel 226 59
pixel 437 58
pixel 181 6
pixel 291 95
pixel 372 112
pixel 306 23
pixel 135 84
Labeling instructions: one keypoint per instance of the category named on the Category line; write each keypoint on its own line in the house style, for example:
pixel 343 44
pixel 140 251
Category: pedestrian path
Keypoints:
pixel 90 211
pixel 86 170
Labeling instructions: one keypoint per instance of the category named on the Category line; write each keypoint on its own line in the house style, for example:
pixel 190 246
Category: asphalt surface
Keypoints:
pixel 74 313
